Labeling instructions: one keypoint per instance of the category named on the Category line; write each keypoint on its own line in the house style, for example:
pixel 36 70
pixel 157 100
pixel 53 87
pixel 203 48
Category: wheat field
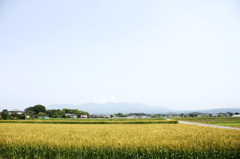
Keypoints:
pixel 135 140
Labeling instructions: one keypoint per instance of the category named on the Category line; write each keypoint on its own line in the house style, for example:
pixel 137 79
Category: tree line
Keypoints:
pixel 40 111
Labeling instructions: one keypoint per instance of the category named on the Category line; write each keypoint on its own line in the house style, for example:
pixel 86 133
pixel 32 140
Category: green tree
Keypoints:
pixel 31 113
pixel 39 108
pixel 120 115
pixel 23 116
pixel 41 114
pixel 193 114
pixel 29 110
pixel 57 113
pixel 5 114
pixel 15 115
pixel 65 110
pixel 36 109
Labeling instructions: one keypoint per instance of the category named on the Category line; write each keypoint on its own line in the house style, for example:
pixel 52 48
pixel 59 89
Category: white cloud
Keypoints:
pixel 110 98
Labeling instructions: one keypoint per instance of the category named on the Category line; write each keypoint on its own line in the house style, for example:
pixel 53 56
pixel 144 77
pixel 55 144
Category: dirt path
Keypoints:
pixel 200 124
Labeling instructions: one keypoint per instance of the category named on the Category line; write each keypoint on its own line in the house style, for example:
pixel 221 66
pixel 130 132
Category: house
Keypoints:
pixel 236 115
pixel 83 116
pixel 214 115
pixel 94 116
pixel 144 116
pixel 104 116
pixel 133 116
pixel 98 116
pixel 177 116
pixel 71 115
pixel 15 111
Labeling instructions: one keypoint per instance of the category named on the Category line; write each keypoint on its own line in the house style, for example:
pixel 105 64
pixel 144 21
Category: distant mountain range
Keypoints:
pixel 125 108
pixel 112 108
pixel 222 110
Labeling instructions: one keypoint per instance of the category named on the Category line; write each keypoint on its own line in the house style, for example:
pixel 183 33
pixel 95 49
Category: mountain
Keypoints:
pixel 112 108
pixel 220 110
pixel 125 108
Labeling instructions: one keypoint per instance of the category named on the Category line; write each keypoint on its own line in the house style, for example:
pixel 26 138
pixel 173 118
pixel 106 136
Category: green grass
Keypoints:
pixel 93 119
pixel 91 122
pixel 227 124
pixel 35 152
pixel 222 121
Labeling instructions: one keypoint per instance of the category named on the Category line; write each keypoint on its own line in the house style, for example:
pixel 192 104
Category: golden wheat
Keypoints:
pixel 151 136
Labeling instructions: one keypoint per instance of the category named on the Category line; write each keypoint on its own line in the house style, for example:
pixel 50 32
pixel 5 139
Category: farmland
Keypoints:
pixel 100 121
pixel 18 140
pixel 222 121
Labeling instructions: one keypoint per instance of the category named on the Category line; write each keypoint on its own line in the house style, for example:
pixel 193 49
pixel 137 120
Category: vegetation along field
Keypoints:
pixel 102 119
pixel 223 121
pixel 92 121
pixel 18 140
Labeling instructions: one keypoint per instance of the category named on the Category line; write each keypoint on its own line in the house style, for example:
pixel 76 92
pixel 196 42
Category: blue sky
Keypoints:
pixel 176 54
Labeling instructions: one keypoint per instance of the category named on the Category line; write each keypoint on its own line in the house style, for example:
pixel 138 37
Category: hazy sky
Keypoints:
pixel 177 54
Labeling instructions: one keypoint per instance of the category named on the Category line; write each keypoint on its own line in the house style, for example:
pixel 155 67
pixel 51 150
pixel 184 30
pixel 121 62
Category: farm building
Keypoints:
pixel 236 115
pixel 94 116
pixel 104 116
pixel 15 111
pixel 214 115
pixel 71 115
pixel 133 116
pixel 83 116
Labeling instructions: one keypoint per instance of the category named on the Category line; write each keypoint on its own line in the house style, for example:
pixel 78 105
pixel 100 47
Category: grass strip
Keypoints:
pixel 91 122
pixel 34 152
